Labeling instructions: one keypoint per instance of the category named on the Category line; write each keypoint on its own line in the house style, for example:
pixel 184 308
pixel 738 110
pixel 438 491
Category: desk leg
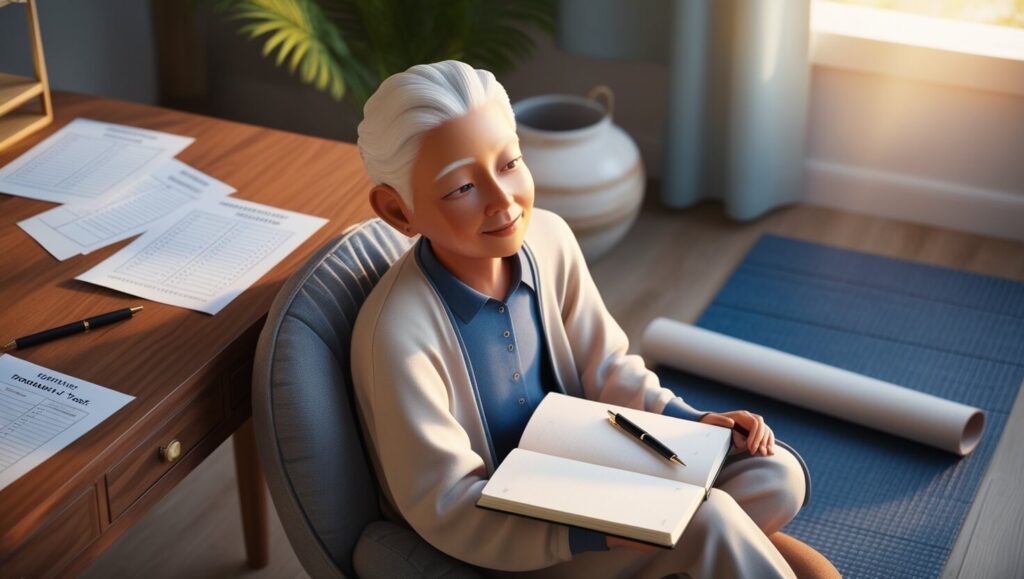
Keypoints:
pixel 252 494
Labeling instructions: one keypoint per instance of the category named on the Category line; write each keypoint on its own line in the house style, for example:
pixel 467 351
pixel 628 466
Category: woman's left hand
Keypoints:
pixel 761 439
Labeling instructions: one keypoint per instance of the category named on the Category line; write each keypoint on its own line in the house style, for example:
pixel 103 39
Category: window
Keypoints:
pixel 858 35
pixel 997 12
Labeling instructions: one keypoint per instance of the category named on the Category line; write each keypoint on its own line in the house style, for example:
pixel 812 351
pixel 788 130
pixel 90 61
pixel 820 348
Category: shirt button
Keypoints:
pixel 505 334
pixel 515 375
pixel 511 347
pixel 501 309
pixel 522 401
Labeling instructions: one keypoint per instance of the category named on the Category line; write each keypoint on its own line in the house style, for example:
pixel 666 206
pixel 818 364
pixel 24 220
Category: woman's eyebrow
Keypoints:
pixel 453 166
pixel 465 161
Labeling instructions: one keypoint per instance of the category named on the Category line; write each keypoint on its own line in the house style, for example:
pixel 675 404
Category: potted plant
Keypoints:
pixel 347 47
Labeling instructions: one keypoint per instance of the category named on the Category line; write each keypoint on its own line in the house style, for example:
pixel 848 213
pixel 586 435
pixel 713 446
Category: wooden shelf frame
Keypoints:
pixel 16 91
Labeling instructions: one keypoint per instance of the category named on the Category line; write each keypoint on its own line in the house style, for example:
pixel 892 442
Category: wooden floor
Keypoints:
pixel 670 265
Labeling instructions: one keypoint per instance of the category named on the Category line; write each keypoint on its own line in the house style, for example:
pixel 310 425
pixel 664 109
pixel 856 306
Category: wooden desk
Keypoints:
pixel 189 372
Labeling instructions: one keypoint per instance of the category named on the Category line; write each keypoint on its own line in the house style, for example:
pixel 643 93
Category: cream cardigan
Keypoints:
pixel 421 416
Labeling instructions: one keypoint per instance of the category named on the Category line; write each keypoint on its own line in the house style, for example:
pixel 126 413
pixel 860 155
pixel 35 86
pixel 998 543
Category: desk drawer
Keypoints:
pixel 52 547
pixel 144 466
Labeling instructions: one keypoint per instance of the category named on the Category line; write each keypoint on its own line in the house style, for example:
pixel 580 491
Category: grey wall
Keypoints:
pixel 100 47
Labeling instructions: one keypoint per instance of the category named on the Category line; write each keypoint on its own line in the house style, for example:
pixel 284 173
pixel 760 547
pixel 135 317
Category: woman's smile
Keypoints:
pixel 506 229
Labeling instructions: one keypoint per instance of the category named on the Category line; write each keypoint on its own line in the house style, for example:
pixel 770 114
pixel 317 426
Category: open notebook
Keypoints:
pixel 574 467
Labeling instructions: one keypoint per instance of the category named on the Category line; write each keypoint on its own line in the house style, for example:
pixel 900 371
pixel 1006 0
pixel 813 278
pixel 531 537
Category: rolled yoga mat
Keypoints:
pixel 853 397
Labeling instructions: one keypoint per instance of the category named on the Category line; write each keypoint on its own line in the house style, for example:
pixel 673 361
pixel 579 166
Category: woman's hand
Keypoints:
pixel 761 439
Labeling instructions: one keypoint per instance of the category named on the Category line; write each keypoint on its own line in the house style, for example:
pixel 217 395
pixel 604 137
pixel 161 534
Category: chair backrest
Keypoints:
pixel 309 440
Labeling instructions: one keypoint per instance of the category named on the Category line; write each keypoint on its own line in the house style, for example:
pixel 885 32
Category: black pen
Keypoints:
pixel 72 328
pixel 643 436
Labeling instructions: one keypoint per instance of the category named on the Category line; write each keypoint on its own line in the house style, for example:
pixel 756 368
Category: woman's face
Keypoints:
pixel 472 193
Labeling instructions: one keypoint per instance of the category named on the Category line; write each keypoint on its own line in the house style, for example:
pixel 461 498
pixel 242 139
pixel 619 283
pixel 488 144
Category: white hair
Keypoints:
pixel 410 103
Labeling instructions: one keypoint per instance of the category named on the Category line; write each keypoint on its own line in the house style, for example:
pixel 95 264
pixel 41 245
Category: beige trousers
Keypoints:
pixel 753 497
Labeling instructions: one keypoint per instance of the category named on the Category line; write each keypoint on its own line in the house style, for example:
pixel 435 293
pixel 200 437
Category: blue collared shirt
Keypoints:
pixel 507 356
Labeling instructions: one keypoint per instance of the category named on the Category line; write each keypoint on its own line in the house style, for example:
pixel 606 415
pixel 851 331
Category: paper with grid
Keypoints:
pixel 75 229
pixel 86 160
pixel 205 254
pixel 42 411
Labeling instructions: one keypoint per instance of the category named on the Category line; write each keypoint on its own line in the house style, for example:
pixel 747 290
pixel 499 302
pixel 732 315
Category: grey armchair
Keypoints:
pixel 310 444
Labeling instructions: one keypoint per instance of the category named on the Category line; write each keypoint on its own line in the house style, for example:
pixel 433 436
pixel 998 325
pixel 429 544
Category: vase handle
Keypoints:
pixel 603 90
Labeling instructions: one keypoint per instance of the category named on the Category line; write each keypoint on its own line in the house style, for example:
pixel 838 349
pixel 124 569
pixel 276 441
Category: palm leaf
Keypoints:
pixel 350 46
pixel 295 28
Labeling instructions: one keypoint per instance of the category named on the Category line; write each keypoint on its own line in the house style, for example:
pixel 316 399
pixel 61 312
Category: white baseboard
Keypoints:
pixel 921 200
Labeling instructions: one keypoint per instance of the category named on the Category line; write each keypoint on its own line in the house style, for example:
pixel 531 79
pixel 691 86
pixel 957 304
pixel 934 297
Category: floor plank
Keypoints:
pixel 671 264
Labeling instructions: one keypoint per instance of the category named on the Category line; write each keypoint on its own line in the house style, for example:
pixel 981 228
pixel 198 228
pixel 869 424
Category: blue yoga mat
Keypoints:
pixel 881 506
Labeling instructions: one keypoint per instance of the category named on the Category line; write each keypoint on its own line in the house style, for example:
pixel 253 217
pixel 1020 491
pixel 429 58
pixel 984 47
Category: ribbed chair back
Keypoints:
pixel 309 439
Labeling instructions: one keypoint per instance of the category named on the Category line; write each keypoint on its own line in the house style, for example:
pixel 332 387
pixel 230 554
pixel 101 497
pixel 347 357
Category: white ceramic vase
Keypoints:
pixel 585 168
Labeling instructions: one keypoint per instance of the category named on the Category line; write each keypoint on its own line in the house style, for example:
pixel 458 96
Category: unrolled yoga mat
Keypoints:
pixel 882 505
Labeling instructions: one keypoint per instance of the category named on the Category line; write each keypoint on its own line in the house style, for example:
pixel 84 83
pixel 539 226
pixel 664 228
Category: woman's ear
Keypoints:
pixel 389 206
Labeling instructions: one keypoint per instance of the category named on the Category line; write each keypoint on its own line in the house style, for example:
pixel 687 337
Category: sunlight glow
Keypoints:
pixel 917 30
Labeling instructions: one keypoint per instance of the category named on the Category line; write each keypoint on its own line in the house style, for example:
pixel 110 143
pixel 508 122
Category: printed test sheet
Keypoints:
pixel 87 159
pixel 206 254
pixel 42 411
pixel 74 229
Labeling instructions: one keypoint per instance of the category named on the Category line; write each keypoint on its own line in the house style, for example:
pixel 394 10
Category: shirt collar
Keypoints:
pixel 461 299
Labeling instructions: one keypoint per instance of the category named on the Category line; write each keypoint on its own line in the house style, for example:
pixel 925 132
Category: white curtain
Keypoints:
pixel 738 90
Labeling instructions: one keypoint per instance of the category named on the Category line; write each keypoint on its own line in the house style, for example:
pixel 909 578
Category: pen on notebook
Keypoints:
pixel 73 328
pixel 643 436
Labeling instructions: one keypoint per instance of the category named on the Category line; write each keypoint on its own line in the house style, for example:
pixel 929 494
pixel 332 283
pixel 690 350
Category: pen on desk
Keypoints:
pixel 73 328
pixel 643 436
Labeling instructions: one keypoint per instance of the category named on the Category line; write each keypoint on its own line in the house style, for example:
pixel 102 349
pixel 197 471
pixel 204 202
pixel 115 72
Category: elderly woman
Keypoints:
pixel 491 309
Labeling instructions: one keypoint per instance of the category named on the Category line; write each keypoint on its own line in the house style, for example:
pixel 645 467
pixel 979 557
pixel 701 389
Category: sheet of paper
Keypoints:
pixel 206 254
pixel 87 159
pixel 42 411
pixel 70 230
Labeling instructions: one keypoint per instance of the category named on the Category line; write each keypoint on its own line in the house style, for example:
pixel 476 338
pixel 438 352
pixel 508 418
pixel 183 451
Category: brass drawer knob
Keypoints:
pixel 171 452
